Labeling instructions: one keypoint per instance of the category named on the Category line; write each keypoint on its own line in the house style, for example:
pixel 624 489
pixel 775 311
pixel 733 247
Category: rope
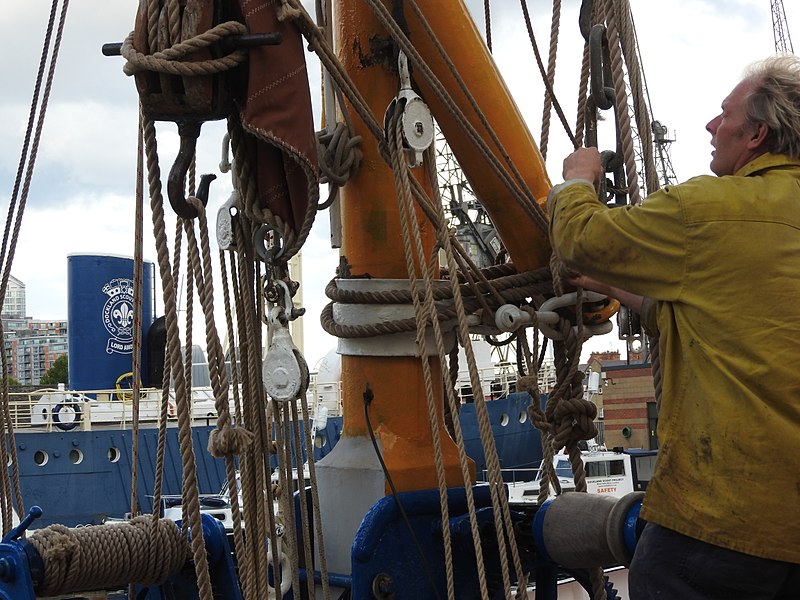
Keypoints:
pixel 505 289
pixel 106 556
pixel 170 61
pixel 284 489
pixel 621 102
pixel 339 158
pixel 410 228
pixel 487 13
pixel 138 268
pixel 255 408
pixel 635 77
pixel 18 200
pixel 583 84
pixel 191 502
pixel 162 436
pixel 551 75
pixel 545 79
pixel 568 417
pixel 315 505
pixel 226 439
pixel 230 467
pixel 245 554
pixel 655 354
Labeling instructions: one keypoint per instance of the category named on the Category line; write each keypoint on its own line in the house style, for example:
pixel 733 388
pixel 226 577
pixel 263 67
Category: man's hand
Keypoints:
pixel 632 301
pixel 584 163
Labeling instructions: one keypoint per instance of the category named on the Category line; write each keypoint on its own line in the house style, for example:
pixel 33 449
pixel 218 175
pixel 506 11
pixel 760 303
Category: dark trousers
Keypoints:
pixel 671 566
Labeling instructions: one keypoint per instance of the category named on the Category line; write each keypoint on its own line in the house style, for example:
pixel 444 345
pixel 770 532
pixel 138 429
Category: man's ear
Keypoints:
pixel 758 136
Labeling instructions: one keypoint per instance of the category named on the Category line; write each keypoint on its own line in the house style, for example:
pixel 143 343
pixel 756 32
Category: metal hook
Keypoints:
pixel 602 85
pixel 585 18
pixel 189 131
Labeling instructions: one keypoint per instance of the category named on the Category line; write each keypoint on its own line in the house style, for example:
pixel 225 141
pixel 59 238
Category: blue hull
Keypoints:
pixel 82 477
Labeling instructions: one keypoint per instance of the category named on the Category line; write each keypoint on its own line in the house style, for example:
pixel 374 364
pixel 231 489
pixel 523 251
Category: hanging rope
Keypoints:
pixel 551 75
pixel 621 102
pixel 641 111
pixel 545 79
pixel 487 14
pixel 416 255
pixel 18 202
pixel 138 268
pixel 182 398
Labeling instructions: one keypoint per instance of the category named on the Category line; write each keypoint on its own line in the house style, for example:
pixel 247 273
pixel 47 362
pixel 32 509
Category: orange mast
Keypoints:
pixel 384 369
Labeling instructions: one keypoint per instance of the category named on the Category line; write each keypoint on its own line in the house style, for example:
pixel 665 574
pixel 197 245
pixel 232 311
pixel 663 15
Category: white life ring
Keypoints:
pixel 73 408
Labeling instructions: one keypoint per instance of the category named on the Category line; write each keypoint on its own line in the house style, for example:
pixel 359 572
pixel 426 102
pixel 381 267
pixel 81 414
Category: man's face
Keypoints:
pixel 729 137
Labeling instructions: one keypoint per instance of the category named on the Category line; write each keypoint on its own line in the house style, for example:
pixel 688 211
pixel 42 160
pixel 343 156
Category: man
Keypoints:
pixel 718 259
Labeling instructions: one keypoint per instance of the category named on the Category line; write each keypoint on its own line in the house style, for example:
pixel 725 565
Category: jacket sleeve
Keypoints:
pixel 641 249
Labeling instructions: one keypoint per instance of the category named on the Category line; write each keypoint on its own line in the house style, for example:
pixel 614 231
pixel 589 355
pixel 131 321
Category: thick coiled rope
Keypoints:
pixel 145 551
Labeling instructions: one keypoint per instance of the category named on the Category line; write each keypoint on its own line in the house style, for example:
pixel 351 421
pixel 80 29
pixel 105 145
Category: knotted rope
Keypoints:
pixel 339 153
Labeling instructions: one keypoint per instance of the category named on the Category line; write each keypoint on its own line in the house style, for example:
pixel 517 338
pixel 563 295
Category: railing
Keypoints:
pixel 49 409
pixel 514 475
pixel 64 410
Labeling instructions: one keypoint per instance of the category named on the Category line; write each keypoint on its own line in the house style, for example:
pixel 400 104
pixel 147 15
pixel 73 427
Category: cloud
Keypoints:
pixel 82 195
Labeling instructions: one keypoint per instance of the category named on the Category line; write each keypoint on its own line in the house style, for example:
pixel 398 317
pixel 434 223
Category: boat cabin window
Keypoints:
pixel 645 466
pixel 604 468
pixel 564 469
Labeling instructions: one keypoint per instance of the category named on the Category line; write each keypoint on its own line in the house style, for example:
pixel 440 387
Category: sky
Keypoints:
pixel 81 197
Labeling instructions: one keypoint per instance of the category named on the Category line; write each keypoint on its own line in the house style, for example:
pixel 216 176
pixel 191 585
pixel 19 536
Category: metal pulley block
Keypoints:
pixel 417 121
pixel 225 216
pixel 284 372
pixel 227 213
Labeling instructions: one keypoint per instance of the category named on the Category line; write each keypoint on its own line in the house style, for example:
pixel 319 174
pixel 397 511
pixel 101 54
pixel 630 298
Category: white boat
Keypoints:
pixel 608 472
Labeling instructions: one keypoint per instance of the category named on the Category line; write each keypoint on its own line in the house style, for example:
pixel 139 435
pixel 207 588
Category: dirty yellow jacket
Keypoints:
pixel 721 258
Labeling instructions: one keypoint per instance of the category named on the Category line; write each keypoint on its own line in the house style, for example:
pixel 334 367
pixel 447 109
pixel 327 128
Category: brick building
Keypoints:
pixel 627 401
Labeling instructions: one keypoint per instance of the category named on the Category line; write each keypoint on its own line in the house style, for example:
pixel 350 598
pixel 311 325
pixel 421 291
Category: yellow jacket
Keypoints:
pixel 721 258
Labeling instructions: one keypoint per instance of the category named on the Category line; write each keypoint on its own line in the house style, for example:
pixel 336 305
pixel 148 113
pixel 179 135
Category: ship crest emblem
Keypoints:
pixel 118 315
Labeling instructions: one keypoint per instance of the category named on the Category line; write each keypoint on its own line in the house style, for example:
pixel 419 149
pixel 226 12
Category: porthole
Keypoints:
pixel 320 441
pixel 75 456
pixel 113 454
pixel 504 419
pixel 40 457
pixel 523 416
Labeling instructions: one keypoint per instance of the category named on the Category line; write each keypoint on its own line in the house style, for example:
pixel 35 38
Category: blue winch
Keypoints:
pixel 24 569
